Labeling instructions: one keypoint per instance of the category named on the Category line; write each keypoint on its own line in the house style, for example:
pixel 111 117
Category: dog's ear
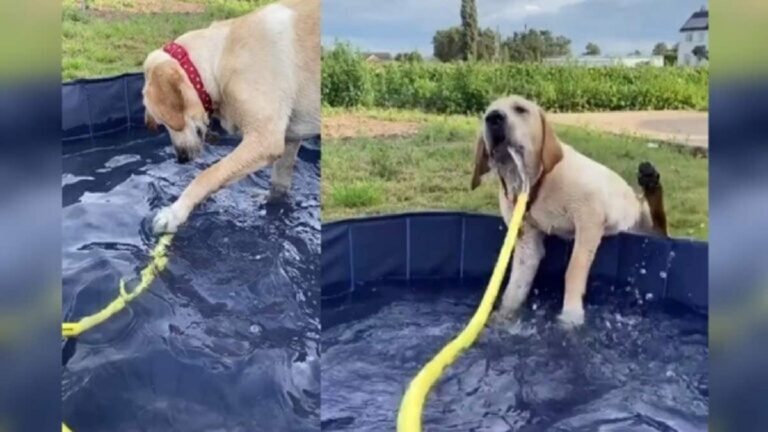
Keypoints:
pixel 481 161
pixel 164 92
pixel 551 150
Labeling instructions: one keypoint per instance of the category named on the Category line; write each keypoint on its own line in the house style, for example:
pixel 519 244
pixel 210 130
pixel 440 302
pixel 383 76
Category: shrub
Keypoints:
pixel 467 88
pixel 344 77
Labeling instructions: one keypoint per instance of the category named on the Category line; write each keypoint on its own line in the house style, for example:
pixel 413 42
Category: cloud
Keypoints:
pixel 500 11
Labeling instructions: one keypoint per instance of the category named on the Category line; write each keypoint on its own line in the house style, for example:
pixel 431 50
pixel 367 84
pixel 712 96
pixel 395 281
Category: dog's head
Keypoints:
pixel 517 142
pixel 171 100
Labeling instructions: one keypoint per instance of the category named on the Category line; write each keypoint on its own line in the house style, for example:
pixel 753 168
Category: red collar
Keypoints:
pixel 179 53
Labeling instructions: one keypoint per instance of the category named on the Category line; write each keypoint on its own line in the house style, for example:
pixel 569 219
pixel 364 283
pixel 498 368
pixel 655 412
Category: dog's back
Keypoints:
pixel 581 181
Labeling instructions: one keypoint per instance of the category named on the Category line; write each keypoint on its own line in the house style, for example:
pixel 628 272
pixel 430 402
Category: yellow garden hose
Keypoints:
pixel 158 263
pixel 155 266
pixel 409 417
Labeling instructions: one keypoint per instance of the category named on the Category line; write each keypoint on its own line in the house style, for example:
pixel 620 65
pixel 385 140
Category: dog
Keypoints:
pixel 570 196
pixel 259 74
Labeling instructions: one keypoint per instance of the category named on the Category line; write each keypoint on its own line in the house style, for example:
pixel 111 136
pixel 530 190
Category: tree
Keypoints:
pixel 469 29
pixel 660 49
pixel 410 57
pixel 530 46
pixel 592 49
pixel 701 52
pixel 534 45
pixel 447 45
pixel 636 53
pixel 670 57
pixel 487 47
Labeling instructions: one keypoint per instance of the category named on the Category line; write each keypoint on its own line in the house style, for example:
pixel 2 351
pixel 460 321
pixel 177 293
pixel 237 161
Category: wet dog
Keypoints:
pixel 570 196
pixel 260 75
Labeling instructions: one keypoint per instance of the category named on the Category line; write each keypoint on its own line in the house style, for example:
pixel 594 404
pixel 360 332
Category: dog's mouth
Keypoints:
pixel 183 155
pixel 188 144
pixel 506 154
pixel 508 160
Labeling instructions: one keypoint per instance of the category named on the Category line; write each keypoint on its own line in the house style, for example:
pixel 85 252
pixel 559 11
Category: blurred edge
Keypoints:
pixel 30 209
pixel 738 215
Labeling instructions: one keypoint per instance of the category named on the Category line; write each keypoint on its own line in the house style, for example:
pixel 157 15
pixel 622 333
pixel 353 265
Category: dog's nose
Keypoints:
pixel 182 156
pixel 495 123
pixel 495 118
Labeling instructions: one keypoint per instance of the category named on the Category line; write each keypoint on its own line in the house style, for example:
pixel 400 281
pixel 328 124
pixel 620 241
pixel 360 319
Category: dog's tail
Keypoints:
pixel 649 180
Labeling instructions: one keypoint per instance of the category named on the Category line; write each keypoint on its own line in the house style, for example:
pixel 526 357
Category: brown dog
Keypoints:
pixel 571 196
pixel 262 72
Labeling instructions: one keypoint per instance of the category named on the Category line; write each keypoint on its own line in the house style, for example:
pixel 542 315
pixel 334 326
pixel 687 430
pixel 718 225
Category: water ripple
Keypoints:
pixel 227 338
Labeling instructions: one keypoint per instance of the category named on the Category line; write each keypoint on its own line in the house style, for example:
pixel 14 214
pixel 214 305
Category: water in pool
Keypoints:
pixel 227 338
pixel 630 368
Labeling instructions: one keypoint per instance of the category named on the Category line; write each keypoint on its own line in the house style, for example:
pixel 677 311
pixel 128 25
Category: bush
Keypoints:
pixel 344 78
pixel 467 88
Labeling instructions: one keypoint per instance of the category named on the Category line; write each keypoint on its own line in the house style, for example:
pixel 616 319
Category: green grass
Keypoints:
pixel 432 171
pixel 115 39
pixel 357 195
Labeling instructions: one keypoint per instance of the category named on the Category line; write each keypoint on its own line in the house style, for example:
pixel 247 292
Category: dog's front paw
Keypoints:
pixel 502 321
pixel 167 220
pixel 571 318
pixel 277 194
pixel 504 315
pixel 647 176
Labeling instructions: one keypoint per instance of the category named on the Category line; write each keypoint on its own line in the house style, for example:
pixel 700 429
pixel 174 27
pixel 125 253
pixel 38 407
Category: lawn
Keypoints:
pixel 111 37
pixel 431 170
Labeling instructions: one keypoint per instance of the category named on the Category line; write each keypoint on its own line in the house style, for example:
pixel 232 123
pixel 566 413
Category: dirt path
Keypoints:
pixel 681 127
pixel 356 125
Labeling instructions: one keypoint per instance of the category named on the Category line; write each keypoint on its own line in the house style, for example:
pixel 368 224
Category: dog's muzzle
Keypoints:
pixel 496 125
pixel 498 135
pixel 183 156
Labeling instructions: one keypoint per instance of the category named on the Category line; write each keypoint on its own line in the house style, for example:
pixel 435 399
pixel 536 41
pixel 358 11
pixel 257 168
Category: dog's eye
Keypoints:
pixel 520 109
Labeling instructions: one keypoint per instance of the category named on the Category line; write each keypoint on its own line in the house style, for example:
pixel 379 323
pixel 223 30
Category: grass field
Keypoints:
pixel 114 36
pixel 431 170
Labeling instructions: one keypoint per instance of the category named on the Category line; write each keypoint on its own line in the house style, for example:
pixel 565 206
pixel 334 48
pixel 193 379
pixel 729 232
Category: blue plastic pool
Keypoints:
pixel 227 338
pixel 397 288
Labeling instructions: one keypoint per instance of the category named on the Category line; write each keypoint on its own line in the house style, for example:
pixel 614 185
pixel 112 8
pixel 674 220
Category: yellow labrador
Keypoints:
pixel 571 196
pixel 259 74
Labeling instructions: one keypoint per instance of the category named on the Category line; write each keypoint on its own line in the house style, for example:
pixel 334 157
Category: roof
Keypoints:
pixel 378 55
pixel 698 21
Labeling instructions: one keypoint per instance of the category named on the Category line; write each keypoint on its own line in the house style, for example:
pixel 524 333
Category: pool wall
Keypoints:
pixel 106 106
pixel 445 246
pixel 93 107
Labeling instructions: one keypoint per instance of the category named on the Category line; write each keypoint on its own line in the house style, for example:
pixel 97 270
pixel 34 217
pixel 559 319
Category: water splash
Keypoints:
pixel 628 366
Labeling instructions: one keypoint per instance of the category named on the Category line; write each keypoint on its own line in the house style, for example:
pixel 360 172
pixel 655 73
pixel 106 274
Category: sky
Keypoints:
pixel 617 26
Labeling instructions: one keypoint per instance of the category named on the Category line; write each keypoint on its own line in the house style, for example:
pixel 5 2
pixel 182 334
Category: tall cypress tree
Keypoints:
pixel 469 29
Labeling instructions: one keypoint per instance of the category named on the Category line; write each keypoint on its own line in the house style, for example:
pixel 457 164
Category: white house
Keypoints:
pixel 595 61
pixel 694 33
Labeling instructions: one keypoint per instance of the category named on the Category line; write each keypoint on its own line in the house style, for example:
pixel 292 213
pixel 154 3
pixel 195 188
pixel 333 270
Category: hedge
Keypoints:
pixel 467 88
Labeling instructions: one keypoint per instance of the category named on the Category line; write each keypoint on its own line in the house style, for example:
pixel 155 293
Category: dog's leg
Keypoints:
pixel 257 150
pixel 282 170
pixel 525 262
pixel 588 237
